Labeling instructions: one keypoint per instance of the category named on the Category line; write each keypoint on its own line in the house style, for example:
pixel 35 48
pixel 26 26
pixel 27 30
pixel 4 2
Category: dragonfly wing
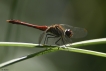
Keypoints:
pixel 41 37
pixel 77 32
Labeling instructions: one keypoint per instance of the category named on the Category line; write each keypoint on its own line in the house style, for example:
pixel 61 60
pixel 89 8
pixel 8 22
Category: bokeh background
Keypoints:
pixel 90 14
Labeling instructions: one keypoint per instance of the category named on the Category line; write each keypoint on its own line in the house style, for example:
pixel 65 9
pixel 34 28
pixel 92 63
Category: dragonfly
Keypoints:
pixel 63 32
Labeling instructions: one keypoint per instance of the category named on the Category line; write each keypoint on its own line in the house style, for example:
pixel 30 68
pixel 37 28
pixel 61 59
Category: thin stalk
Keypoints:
pixel 76 44
pixel 54 48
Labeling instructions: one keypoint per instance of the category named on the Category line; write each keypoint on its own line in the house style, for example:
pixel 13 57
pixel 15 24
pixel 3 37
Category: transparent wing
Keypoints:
pixel 77 32
pixel 41 37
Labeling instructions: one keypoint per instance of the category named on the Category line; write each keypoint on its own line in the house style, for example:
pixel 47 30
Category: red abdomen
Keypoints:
pixel 43 28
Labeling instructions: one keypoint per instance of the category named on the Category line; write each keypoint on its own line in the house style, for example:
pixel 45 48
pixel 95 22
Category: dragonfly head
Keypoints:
pixel 69 33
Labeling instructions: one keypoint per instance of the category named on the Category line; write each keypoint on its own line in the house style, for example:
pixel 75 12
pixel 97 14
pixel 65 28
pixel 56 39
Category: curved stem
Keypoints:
pixel 89 42
pixel 54 48
pixel 76 44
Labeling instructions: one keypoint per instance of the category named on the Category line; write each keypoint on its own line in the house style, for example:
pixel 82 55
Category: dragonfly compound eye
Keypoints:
pixel 68 32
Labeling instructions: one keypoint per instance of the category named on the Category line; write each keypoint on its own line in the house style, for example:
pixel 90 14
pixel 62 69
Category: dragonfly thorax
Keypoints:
pixel 56 29
pixel 68 32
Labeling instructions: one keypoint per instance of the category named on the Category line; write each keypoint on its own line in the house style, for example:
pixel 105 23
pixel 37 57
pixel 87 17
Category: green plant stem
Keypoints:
pixel 76 44
pixel 54 48
pixel 89 42
pixel 23 58
pixel 48 51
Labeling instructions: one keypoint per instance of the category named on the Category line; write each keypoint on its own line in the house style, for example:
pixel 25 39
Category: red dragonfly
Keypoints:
pixel 63 32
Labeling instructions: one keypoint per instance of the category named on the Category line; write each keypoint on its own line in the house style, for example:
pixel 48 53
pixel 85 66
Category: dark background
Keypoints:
pixel 90 14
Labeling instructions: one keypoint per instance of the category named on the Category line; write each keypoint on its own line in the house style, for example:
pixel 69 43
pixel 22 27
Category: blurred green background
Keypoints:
pixel 90 14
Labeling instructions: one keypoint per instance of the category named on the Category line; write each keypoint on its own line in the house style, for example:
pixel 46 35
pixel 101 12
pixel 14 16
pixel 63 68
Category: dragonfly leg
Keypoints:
pixel 49 36
pixel 45 39
pixel 57 41
pixel 68 41
pixel 63 41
